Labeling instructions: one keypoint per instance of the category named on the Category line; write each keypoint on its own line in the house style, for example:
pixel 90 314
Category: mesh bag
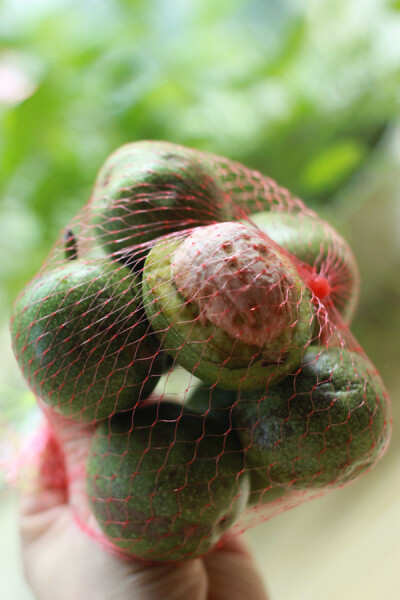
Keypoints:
pixel 188 342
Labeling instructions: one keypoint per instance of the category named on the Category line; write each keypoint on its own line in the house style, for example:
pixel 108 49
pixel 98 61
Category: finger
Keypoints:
pixel 232 574
pixel 74 440
pixel 45 479
pixel 52 457
pixel 180 581
pixel 42 477
pixel 233 542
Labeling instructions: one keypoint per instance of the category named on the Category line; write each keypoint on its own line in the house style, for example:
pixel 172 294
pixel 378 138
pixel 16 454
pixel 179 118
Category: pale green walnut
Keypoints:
pixel 82 340
pixel 321 426
pixel 228 306
pixel 333 271
pixel 148 189
pixel 163 485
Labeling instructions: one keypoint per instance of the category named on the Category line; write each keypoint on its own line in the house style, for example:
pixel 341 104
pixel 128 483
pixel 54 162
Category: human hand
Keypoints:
pixel 63 561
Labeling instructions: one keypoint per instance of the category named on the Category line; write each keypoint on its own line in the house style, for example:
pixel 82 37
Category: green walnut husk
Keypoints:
pixel 148 189
pixel 320 427
pixel 163 485
pixel 214 403
pixel 262 490
pixel 317 244
pixel 217 404
pixel 82 340
pixel 198 344
pixel 250 191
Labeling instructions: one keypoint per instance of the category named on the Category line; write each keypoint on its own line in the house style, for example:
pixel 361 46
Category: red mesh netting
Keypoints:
pixel 188 341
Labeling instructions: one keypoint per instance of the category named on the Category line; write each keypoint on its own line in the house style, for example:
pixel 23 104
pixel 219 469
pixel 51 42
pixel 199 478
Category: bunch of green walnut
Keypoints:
pixel 185 259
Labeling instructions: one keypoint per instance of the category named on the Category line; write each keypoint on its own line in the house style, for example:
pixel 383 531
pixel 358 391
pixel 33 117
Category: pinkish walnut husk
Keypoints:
pixel 238 281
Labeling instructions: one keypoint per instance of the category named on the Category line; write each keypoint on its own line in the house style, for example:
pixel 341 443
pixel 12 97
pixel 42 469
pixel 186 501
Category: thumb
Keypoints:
pixel 231 572
pixel 52 470
pixel 42 479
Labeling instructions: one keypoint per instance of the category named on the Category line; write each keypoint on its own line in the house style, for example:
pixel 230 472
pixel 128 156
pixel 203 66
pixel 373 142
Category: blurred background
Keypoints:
pixel 306 91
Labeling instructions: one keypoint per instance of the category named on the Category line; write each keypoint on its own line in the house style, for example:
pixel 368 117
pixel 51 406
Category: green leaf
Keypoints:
pixel 332 165
pixel 394 4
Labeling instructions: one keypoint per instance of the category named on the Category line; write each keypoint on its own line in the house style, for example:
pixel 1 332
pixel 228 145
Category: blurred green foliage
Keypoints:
pixel 300 90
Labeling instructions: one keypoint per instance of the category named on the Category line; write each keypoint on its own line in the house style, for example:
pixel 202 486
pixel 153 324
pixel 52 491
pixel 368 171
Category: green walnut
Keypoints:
pixel 217 404
pixel 249 191
pixel 228 306
pixel 329 268
pixel 321 426
pixel 82 341
pixel 213 403
pixel 262 490
pixel 149 189
pixel 163 485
